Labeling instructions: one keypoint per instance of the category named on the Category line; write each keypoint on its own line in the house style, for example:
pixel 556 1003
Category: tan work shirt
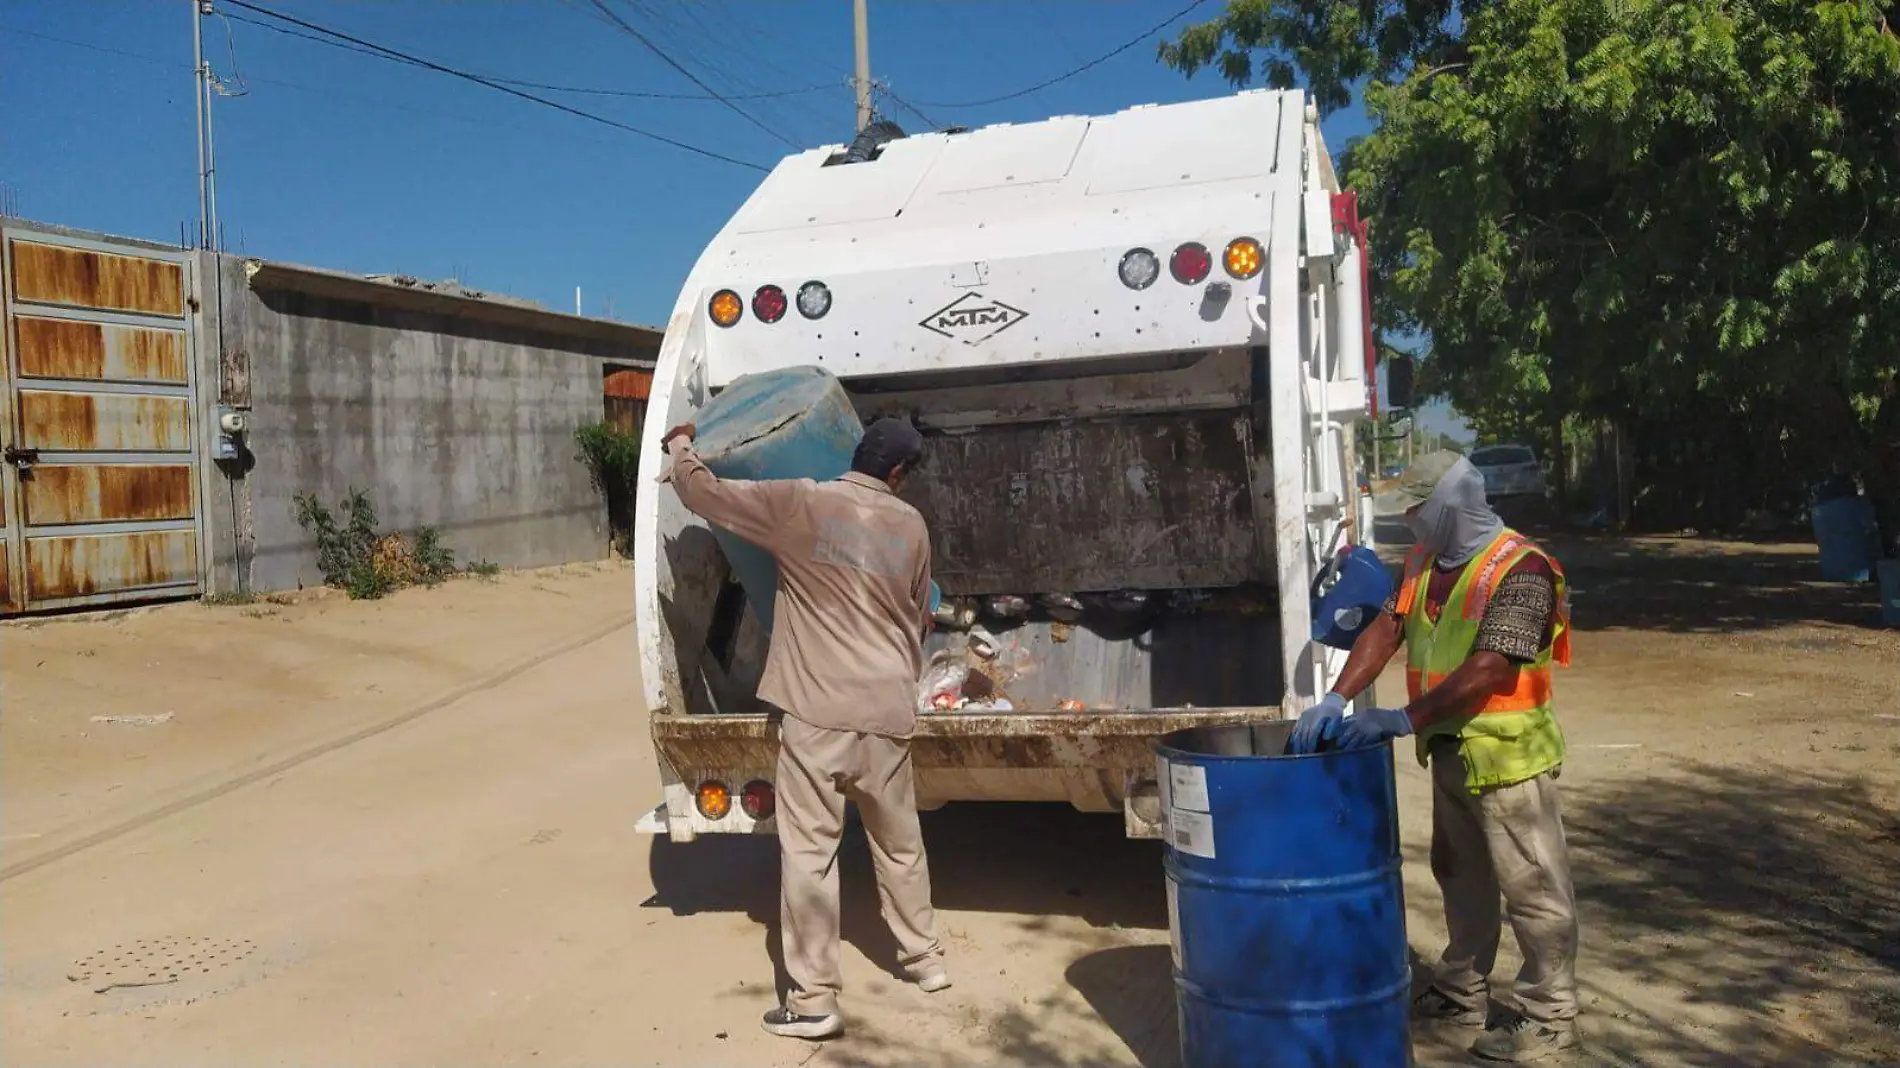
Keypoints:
pixel 853 591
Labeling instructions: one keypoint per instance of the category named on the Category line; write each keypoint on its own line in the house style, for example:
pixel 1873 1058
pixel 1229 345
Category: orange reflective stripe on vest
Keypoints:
pixel 1532 688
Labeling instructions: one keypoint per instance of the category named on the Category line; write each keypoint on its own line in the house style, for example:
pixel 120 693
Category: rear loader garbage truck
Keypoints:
pixel 1136 345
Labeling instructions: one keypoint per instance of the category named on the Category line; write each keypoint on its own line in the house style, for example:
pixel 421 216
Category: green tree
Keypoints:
pixel 1683 216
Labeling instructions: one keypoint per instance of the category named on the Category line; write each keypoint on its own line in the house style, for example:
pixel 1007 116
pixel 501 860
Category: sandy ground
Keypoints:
pixel 402 833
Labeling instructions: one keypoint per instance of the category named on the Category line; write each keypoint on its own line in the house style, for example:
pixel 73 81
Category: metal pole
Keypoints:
pixel 861 32
pixel 198 105
pixel 211 158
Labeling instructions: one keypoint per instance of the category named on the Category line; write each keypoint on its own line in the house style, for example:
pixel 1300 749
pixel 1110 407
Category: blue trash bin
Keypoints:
pixel 1889 592
pixel 1848 537
pixel 1284 902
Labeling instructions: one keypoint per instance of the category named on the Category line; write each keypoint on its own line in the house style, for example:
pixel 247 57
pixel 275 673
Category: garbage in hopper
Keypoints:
pixel 984 644
pixel 941 688
pixel 1062 607
pixel 1006 606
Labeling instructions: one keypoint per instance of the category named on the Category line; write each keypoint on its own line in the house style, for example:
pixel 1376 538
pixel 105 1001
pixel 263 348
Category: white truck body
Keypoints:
pixel 1083 435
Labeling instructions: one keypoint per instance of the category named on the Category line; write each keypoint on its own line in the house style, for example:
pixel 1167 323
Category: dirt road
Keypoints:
pixel 401 833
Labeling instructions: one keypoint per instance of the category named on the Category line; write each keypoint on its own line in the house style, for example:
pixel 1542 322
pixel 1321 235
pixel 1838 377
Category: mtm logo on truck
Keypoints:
pixel 973 318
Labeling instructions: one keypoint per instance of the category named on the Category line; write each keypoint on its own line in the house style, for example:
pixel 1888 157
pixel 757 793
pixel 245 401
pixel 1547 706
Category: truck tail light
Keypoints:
pixel 1243 258
pixel 1139 268
pixel 725 307
pixel 814 300
pixel 713 800
pixel 768 304
pixel 757 800
pixel 1190 264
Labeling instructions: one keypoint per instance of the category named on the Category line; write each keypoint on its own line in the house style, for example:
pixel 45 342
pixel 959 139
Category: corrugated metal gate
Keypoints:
pixel 97 429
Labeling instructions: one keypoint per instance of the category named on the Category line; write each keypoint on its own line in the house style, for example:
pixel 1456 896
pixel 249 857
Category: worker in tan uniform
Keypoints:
pixel 852 609
pixel 1481 612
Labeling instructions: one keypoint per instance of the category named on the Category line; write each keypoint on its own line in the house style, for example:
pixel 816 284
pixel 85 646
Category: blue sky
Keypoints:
pixel 344 161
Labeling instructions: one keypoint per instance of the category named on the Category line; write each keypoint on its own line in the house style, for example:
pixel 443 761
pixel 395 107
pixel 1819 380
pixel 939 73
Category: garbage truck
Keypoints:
pixel 1136 344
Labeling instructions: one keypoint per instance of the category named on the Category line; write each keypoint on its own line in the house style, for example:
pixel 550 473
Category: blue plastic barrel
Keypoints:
pixel 1889 592
pixel 1849 538
pixel 794 423
pixel 1284 902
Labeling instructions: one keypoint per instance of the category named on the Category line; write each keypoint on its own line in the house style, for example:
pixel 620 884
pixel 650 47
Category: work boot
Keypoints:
pixel 1437 1006
pixel 785 1023
pixel 1521 1039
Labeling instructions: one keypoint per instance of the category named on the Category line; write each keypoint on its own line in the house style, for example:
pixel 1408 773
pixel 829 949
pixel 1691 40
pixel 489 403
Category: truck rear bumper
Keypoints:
pixel 1096 761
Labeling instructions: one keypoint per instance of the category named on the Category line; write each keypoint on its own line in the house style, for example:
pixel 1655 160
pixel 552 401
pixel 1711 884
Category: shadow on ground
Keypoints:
pixel 1731 918
pixel 1687 585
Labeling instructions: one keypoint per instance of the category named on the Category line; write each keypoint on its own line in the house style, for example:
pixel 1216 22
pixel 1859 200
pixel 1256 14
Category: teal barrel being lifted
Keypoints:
pixel 1284 902
pixel 793 423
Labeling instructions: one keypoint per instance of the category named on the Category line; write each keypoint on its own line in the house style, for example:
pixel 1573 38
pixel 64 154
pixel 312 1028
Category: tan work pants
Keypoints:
pixel 1505 840
pixel 818 770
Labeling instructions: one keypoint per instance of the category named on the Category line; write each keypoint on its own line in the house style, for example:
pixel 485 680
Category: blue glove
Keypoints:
pixel 1317 724
pixel 1374 726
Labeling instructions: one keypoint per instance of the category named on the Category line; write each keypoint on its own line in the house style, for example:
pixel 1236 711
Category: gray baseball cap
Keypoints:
pixel 1417 482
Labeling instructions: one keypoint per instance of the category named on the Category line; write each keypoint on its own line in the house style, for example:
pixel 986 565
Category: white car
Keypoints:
pixel 1509 471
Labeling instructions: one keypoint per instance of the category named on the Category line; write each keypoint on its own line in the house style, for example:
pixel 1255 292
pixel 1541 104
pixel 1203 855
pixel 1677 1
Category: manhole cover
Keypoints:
pixel 159 962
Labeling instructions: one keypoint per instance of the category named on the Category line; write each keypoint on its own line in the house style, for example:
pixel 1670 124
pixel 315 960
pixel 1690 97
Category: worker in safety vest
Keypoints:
pixel 1483 615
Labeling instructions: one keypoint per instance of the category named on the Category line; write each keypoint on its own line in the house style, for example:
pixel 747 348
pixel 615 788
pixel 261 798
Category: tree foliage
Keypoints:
pixel 1683 216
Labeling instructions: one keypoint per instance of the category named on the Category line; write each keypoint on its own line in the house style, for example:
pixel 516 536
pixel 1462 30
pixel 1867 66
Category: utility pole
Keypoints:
pixel 207 170
pixel 861 31
pixel 198 105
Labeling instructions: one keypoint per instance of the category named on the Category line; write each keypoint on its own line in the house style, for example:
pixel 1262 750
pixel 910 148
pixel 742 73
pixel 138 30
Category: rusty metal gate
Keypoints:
pixel 98 424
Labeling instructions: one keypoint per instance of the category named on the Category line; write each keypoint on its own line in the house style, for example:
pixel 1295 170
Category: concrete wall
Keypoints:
pixel 450 411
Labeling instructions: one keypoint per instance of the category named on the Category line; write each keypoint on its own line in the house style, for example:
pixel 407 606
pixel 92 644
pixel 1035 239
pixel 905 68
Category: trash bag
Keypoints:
pixel 941 688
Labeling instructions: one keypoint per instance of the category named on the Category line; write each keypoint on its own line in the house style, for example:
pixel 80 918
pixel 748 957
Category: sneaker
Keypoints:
pixel 785 1023
pixel 1436 1006
pixel 1521 1039
pixel 934 982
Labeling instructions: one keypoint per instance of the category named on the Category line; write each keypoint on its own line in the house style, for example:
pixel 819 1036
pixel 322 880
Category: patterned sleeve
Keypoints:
pixel 1517 621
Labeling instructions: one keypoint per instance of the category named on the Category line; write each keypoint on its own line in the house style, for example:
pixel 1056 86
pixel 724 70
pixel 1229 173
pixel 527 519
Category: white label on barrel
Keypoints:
pixel 1189 783
pixel 1174 922
pixel 1192 832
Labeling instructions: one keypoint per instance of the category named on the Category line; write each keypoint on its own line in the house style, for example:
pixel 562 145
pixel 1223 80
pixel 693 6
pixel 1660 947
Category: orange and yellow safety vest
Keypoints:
pixel 1514 735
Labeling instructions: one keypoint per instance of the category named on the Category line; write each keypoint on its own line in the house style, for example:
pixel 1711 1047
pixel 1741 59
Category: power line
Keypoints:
pixel 690 76
pixel 330 93
pixel 521 83
pixel 1065 76
pixel 417 61
pixel 908 106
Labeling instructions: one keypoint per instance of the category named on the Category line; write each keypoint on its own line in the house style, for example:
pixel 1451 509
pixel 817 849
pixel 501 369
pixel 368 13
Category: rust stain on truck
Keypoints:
pixel 1103 740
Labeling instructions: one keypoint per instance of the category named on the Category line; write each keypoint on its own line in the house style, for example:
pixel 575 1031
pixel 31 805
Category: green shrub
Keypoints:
pixel 354 558
pixel 612 457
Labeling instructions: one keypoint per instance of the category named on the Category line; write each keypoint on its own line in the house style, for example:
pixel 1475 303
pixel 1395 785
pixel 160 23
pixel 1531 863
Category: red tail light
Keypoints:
pixel 757 800
pixel 769 304
pixel 1190 264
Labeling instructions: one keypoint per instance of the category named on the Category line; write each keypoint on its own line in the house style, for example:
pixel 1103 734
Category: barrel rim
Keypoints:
pixel 1166 750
